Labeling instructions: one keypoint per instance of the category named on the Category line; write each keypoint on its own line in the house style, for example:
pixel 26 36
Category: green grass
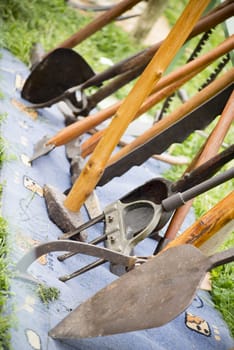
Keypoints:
pixel 223 288
pixel 47 294
pixel 5 314
pixel 23 23
pixel 5 317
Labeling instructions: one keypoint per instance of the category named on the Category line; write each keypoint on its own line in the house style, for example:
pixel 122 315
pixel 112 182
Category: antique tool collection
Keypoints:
pixel 129 303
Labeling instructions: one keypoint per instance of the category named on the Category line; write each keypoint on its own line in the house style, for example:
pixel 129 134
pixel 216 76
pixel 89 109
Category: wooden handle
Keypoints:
pixel 210 149
pixel 98 23
pixel 179 113
pixel 89 145
pixel 208 225
pixel 95 166
pixel 78 128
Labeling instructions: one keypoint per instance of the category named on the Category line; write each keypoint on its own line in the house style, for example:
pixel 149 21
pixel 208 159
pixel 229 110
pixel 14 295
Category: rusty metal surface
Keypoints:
pixel 149 296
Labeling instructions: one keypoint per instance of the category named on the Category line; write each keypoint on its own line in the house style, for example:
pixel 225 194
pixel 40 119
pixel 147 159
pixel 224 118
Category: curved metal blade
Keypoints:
pixel 146 297
pixel 72 246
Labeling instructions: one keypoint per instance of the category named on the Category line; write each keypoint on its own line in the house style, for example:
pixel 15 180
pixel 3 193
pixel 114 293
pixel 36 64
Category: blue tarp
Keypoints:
pixel 200 327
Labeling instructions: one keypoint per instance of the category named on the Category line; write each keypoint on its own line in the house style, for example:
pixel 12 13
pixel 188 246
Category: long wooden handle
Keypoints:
pixel 187 72
pixel 98 23
pixel 210 149
pixel 89 145
pixel 78 128
pixel 95 166
pixel 207 225
pixel 176 115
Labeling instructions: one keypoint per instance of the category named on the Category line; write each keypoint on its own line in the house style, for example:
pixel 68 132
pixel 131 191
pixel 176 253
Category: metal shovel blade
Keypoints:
pixel 57 72
pixel 146 297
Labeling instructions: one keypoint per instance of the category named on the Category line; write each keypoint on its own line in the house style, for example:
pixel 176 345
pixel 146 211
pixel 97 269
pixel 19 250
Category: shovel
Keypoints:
pixel 150 296
pixel 132 66
pixel 57 72
pixel 63 68
pixel 47 144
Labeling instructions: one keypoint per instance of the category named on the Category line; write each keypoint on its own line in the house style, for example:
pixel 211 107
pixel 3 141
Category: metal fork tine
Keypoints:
pixel 91 222
pixel 84 269
pixel 94 241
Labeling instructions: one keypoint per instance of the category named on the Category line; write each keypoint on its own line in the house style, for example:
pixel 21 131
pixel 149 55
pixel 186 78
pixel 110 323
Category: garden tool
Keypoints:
pixel 131 67
pixel 161 135
pixel 96 164
pixel 129 222
pixel 210 230
pixel 56 73
pixel 209 149
pixel 63 68
pixel 149 296
pixel 72 246
pixel 89 144
pixel 46 144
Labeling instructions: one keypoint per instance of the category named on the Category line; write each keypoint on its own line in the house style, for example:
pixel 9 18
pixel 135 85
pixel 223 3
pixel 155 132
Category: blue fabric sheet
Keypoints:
pixel 200 327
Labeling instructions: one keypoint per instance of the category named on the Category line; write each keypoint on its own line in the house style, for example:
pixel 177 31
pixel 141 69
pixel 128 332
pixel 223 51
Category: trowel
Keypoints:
pixel 149 296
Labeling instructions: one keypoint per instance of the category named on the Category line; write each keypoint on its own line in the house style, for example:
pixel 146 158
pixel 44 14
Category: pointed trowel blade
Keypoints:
pixel 148 296
pixel 41 148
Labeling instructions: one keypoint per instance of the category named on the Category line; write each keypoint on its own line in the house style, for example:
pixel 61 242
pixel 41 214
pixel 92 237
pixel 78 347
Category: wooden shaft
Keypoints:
pixel 98 23
pixel 207 225
pixel 178 114
pixel 218 15
pixel 78 128
pixel 210 149
pixel 95 166
pixel 89 145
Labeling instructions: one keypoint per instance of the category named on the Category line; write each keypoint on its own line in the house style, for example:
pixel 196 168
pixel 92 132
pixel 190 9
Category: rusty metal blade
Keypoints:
pixel 146 297
pixel 199 118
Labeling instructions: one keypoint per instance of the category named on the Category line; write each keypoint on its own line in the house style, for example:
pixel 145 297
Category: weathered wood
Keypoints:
pixel 95 166
pixel 208 225
pixel 210 149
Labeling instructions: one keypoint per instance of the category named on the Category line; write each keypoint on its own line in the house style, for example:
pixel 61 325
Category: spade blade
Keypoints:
pixel 57 72
pixel 41 148
pixel 146 297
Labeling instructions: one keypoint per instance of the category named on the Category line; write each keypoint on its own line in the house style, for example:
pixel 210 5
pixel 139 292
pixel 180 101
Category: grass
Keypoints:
pixel 23 23
pixel 5 317
pixel 223 288
pixel 47 294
